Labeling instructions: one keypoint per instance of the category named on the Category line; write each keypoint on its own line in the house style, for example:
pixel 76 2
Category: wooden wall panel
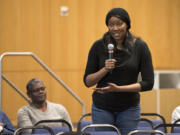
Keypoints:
pixel 60 95
pixel 62 43
pixel 169 99
pixel 25 27
pixel 148 101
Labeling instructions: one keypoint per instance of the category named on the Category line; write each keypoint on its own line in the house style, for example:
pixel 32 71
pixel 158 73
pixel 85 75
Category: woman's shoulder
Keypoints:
pixel 99 41
pixel 97 45
pixel 140 44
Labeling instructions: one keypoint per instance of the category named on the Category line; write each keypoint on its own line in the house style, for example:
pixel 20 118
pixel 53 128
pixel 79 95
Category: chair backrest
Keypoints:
pixel 103 132
pixel 56 129
pixel 145 124
pixel 145 132
pixel 172 126
pixel 177 121
pixel 172 133
pixel 162 119
pixel 176 129
pixel 23 130
pixel 82 122
pixel 156 122
pixel 114 131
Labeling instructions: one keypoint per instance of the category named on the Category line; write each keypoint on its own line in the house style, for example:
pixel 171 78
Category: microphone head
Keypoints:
pixel 110 46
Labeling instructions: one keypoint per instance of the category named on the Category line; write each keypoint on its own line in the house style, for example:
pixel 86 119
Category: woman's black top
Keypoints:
pixel 125 72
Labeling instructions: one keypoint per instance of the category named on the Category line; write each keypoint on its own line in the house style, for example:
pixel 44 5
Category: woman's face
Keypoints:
pixel 117 28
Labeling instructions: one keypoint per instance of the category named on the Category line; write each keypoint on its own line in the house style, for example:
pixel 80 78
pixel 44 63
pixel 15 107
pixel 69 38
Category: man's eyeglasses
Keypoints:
pixel 38 89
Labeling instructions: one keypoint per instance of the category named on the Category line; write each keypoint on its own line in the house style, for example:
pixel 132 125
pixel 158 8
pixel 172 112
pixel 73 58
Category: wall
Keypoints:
pixel 62 43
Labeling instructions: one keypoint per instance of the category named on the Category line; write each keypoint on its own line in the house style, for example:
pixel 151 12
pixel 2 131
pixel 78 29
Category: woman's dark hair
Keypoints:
pixel 127 43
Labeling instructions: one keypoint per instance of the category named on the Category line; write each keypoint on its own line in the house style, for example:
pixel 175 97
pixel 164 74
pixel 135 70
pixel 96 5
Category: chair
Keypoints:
pixel 145 124
pixel 56 129
pixel 160 120
pixel 155 122
pixel 176 129
pixel 82 122
pixel 73 133
pixel 114 131
pixel 172 126
pixel 19 131
pixel 145 132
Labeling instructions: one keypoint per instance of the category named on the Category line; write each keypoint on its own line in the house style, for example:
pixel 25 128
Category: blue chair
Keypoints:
pixel 113 131
pixel 160 120
pixel 170 134
pixel 172 126
pixel 56 129
pixel 145 132
pixel 20 131
pixel 155 122
pixel 103 133
pixel 82 122
pixel 176 129
pixel 145 124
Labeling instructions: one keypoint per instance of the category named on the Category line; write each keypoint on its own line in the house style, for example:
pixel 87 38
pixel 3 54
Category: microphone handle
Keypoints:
pixel 110 55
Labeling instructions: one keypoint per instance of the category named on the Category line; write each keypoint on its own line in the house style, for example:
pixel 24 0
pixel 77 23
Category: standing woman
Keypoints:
pixel 116 98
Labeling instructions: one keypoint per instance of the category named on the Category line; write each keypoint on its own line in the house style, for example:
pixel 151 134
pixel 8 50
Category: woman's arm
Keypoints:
pixel 94 78
pixel 146 68
pixel 136 87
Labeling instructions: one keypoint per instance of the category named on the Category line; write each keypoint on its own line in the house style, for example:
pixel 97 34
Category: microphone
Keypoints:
pixel 110 50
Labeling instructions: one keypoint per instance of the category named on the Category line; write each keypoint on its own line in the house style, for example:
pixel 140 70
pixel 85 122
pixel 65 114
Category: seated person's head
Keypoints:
pixel 36 91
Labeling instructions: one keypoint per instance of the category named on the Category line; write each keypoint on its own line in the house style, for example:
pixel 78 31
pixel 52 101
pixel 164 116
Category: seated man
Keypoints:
pixel 40 108
pixel 5 124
